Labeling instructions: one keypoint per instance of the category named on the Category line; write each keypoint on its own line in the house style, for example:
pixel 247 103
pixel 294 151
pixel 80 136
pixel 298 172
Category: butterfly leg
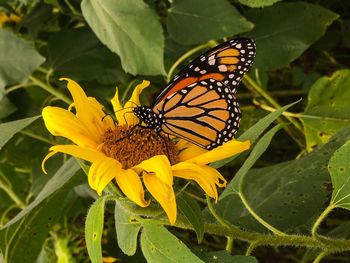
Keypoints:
pixel 166 145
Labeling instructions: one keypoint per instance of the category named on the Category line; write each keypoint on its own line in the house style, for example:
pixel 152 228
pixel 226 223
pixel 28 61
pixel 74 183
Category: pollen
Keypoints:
pixel 132 145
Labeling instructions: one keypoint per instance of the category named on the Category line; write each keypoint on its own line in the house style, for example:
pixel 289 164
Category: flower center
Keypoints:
pixel 132 145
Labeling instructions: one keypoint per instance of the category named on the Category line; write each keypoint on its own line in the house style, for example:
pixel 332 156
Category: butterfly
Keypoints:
pixel 199 103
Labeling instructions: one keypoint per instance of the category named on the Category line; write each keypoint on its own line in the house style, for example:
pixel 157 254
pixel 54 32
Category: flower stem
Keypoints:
pixel 251 247
pixel 229 244
pixel 217 217
pixel 8 190
pixel 258 218
pixel 320 219
pixel 50 90
pixel 320 256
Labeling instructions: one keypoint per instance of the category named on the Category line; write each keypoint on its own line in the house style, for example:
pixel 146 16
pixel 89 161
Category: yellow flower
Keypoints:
pixel 130 155
pixel 5 18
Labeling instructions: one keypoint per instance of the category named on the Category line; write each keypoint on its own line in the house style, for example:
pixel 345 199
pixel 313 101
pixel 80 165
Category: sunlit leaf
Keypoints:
pixel 94 229
pixel 284 31
pixel 196 21
pixel 328 109
pixel 159 245
pixel 132 30
pixel 18 59
pixel 127 229
pixel 9 129
pixel 258 3
pixel 339 169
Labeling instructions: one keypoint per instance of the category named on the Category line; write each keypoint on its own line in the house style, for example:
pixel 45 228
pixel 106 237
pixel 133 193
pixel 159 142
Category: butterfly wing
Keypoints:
pixel 204 113
pixel 226 63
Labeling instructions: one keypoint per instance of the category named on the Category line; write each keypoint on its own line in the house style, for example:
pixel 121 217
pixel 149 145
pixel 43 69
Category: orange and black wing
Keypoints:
pixel 226 63
pixel 205 113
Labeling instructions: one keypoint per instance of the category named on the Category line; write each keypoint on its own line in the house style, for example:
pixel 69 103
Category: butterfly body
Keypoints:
pixel 199 103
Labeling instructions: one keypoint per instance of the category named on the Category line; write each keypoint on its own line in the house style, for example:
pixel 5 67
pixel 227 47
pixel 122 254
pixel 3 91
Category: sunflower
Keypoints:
pixel 131 156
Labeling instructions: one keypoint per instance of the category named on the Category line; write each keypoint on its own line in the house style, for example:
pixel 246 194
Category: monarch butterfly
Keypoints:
pixel 199 104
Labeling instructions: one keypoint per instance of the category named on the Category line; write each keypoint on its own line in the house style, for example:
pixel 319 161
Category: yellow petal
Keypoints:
pixel 87 154
pixel 188 150
pixel 89 111
pixel 61 122
pixel 117 107
pixel 160 166
pixel 131 185
pixel 163 193
pixel 223 151
pixel 101 172
pixel 207 177
pixel 134 101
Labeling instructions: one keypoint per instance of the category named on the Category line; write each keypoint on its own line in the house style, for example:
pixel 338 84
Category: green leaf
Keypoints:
pixel 285 30
pixel 18 59
pixel 258 150
pixel 9 129
pixel 224 257
pixel 6 107
pixel 132 30
pixel 253 133
pixel 22 238
pixel 287 194
pixel 328 109
pixel 89 60
pixel 191 210
pixel 339 169
pixel 258 3
pixel 196 21
pixel 158 245
pixel 127 229
pixel 94 229
pixel 62 176
pixel 37 19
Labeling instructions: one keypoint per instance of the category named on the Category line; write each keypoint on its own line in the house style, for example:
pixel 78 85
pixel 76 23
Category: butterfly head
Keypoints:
pixel 147 115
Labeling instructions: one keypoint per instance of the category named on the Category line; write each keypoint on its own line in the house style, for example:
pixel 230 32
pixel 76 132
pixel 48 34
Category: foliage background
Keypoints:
pixel 302 52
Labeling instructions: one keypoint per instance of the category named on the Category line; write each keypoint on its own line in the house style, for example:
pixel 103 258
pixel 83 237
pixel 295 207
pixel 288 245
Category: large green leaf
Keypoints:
pixel 87 61
pixel 22 238
pixel 62 176
pixel 287 194
pixel 158 245
pixel 127 229
pixel 328 108
pixel 258 3
pixel 339 169
pixel 196 21
pixel 285 30
pixel 191 210
pixel 6 107
pixel 94 229
pixel 253 133
pixel 131 29
pixel 258 150
pixel 18 59
pixel 9 129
